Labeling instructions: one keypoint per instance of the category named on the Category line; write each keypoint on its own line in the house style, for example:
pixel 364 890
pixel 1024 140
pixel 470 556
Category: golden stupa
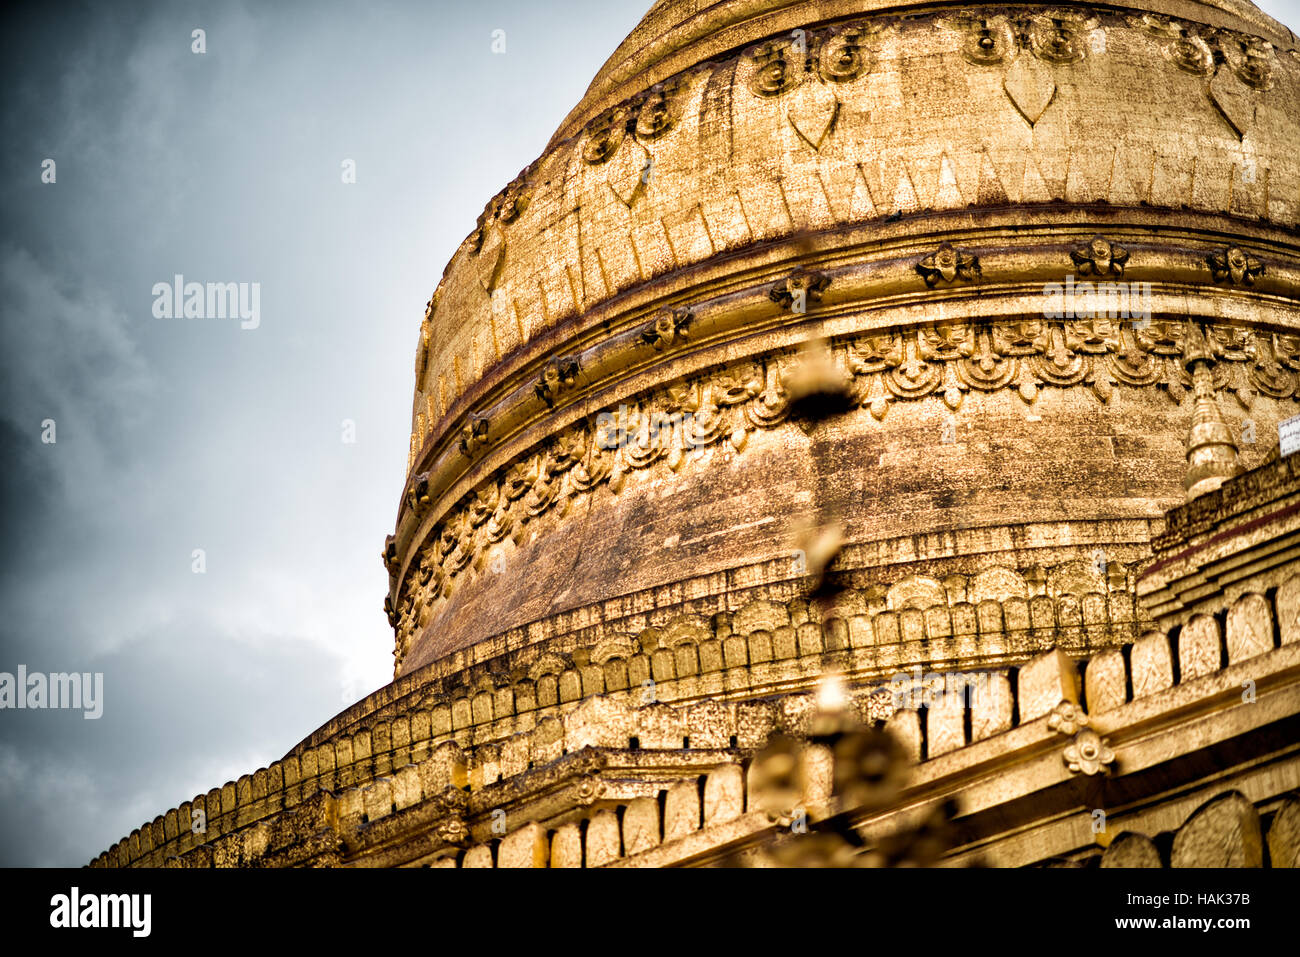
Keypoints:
pixel 832 351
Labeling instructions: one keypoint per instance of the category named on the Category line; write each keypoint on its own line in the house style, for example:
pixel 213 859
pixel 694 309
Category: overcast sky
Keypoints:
pixel 177 435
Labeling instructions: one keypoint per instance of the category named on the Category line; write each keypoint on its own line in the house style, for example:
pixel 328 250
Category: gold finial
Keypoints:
pixel 1211 449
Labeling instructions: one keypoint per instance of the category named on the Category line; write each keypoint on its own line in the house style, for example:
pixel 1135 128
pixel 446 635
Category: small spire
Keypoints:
pixel 1211 449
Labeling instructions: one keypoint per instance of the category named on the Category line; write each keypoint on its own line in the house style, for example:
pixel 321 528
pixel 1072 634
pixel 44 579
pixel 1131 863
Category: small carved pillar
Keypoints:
pixel 1211 449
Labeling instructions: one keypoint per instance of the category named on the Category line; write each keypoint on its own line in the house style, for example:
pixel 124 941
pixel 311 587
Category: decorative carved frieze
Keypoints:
pixel 948 360
pixel 1054 37
pixel 1236 65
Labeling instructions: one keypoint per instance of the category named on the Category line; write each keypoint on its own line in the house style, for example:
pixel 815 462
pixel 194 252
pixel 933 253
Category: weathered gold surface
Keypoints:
pixel 742 179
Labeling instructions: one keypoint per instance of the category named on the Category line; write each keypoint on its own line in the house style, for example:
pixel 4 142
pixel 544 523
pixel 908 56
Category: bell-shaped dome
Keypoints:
pixel 994 227
pixel 677 34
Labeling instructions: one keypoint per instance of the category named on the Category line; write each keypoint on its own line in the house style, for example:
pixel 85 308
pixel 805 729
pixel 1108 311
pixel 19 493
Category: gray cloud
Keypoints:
pixel 179 717
pixel 178 435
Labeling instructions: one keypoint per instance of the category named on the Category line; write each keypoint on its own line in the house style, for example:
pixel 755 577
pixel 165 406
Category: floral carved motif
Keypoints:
pixel 655 109
pixel 987 40
pixel 843 55
pixel 604 135
pixel 1182 43
pixel 453 830
pixel 474 436
pixel 1199 49
pixel 668 327
pixel 799 288
pixel 1059 36
pixel 1067 718
pixel 948 264
pixel 1191 54
pixel 1088 754
pixel 775 67
pixel 589 788
pixel 1250 58
pixel 1235 265
pixel 1055 36
pixel 1100 257
pixel 558 376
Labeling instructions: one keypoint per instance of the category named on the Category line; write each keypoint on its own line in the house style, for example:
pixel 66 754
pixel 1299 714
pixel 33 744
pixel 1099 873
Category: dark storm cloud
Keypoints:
pixel 226 707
